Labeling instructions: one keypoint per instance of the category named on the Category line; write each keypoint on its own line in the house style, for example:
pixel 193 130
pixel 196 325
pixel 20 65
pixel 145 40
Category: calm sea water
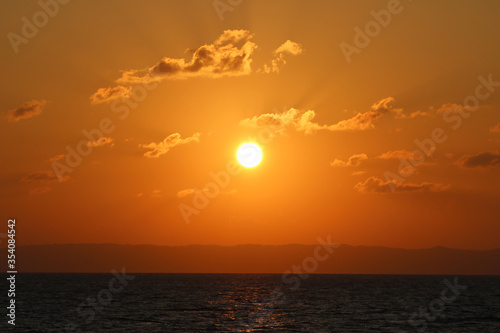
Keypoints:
pixel 253 302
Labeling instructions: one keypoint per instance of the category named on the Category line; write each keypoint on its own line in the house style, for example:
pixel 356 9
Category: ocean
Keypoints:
pixel 253 303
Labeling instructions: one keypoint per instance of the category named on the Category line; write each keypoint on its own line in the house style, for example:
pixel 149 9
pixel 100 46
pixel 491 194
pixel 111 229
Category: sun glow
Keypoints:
pixel 249 155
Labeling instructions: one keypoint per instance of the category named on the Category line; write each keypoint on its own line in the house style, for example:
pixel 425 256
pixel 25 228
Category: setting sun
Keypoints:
pixel 240 166
pixel 249 155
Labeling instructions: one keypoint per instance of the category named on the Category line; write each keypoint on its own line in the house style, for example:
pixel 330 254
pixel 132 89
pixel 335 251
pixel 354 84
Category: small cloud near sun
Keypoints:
pixel 191 191
pixel 353 161
pixel 185 193
pixel 396 154
pixel 377 185
pixel 155 194
pixel 279 61
pixel 302 121
pixel 161 148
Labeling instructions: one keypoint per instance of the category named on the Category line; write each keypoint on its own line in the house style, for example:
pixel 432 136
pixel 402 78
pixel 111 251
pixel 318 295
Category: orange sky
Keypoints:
pixel 174 91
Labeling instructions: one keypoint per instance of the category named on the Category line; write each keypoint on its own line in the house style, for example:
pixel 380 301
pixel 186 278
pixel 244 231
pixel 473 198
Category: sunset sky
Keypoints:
pixel 175 87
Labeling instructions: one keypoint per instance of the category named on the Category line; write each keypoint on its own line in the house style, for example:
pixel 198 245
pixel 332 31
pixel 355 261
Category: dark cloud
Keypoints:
pixel 229 55
pixel 26 110
pixel 485 159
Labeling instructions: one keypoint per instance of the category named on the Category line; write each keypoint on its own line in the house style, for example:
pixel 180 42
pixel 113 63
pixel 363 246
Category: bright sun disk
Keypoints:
pixel 249 155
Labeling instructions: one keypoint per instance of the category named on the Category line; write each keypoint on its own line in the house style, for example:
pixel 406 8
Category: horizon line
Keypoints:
pixel 275 245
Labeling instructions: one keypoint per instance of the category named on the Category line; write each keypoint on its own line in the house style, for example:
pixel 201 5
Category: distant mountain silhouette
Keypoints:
pixel 344 259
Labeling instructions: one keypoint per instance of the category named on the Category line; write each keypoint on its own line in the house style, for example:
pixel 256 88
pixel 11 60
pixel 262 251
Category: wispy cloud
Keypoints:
pixel 186 192
pixel 451 107
pixel 156 194
pixel 101 142
pixel 411 115
pixel 495 128
pixel 57 157
pixel 43 177
pixel 277 63
pixel 39 190
pixel 396 154
pixel 353 161
pixel 26 110
pixel 161 148
pixel 191 191
pixel 377 185
pixel 460 109
pixel 105 95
